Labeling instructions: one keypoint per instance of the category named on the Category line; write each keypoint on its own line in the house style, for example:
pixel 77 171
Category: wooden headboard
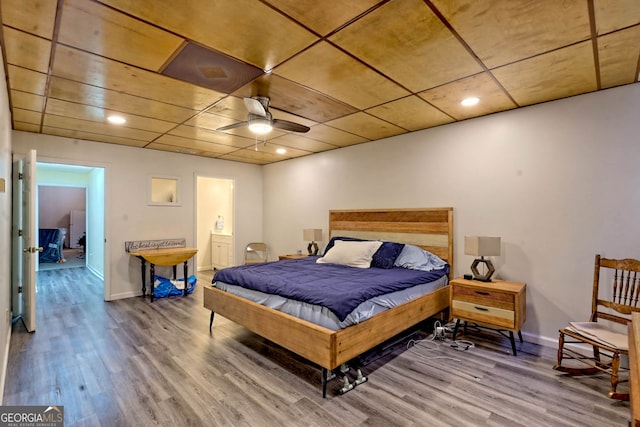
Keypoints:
pixel 428 228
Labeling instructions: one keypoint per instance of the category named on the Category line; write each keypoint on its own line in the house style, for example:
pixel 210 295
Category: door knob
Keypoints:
pixel 32 250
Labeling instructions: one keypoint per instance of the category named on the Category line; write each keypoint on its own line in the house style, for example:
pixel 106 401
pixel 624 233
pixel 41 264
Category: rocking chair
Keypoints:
pixel 608 308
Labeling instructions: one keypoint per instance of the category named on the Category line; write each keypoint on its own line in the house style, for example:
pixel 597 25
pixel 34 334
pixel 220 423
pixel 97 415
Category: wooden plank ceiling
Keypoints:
pixel 353 71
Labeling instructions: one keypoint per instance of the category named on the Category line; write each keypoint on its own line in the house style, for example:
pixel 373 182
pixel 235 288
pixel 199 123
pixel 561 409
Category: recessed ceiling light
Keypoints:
pixel 281 151
pixel 116 120
pixel 468 102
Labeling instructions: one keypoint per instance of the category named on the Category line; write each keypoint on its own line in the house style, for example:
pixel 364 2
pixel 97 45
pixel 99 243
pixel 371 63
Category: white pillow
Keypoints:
pixel 353 254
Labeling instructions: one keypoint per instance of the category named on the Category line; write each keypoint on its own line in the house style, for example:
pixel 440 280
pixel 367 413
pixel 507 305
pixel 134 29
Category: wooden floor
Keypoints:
pixel 133 363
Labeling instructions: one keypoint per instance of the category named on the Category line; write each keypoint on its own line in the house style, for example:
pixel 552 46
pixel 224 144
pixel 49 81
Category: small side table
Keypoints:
pixel 164 257
pixel 292 256
pixel 499 305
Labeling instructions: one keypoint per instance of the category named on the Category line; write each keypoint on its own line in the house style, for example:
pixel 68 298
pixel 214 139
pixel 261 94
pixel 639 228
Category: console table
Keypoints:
pixel 164 257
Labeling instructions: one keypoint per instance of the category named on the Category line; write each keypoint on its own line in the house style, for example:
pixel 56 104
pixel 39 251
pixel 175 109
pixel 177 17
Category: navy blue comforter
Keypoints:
pixel 337 287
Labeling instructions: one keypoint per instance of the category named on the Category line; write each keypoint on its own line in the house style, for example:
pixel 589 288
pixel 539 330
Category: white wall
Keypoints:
pixel 558 182
pixel 5 227
pixel 129 217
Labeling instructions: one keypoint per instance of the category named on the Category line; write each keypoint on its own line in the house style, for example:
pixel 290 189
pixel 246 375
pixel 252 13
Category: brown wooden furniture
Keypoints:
pixel 431 229
pixel 499 305
pixel 292 256
pixel 634 369
pixel 613 305
pixel 164 257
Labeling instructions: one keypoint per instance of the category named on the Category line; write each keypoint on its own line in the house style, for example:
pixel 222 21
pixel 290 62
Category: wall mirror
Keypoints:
pixel 164 191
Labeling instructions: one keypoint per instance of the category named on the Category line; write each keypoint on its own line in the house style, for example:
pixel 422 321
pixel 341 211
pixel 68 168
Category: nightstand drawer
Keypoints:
pixel 483 313
pixel 485 297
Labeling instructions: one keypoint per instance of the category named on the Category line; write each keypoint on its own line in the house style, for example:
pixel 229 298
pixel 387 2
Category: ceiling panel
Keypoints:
pixel 340 76
pixel 448 97
pixel 352 71
pixel 406 41
pixel 95 96
pixel 98 71
pixel 190 143
pixel 26 80
pixel 93 27
pixel 27 127
pixel 268 37
pixel 25 50
pixel 27 116
pixel 302 143
pixel 26 101
pixel 203 134
pixel 324 20
pixel 98 128
pixel 558 74
pixel 33 16
pixel 614 15
pixel 618 56
pixel 367 126
pixel 411 113
pixel 501 32
pixel 331 135
pixel 83 135
pixel 97 114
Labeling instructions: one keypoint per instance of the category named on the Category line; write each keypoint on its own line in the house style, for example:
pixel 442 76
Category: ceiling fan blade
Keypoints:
pixel 290 126
pixel 232 126
pixel 255 107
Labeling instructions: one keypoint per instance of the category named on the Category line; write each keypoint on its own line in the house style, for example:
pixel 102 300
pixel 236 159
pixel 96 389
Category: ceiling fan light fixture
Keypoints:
pixel 260 126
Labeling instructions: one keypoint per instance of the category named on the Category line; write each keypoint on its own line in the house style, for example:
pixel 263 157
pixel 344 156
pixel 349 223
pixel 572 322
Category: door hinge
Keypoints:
pixel 19 289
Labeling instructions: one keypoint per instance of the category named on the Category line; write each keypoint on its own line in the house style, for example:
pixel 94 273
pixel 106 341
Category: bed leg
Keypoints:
pixel 211 322
pixel 324 383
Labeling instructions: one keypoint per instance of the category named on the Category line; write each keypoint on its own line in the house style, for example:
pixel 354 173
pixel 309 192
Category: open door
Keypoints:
pixel 24 239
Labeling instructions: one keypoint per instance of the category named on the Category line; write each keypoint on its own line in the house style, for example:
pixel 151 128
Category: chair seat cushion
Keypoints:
pixel 600 333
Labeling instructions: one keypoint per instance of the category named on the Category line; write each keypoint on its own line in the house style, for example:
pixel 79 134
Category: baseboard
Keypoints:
pixel 124 295
pixel 95 272
pixel 5 362
pixel 540 340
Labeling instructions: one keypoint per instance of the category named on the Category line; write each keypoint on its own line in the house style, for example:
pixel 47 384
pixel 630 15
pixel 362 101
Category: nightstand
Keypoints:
pixel 499 305
pixel 292 256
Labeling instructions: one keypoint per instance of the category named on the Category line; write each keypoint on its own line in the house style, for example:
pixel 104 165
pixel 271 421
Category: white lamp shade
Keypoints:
pixel 481 246
pixel 312 234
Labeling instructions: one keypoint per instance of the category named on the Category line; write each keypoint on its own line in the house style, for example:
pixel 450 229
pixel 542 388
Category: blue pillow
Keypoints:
pixel 386 255
pixel 383 258
pixel 415 258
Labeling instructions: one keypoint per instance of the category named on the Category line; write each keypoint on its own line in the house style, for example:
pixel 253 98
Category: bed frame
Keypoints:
pixel 431 229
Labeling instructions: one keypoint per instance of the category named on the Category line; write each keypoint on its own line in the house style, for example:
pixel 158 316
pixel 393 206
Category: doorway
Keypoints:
pixel 214 223
pixel 73 197
pixel 61 224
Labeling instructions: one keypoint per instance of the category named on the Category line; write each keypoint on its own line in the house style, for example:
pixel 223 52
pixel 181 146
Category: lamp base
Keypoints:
pixel 312 248
pixel 482 277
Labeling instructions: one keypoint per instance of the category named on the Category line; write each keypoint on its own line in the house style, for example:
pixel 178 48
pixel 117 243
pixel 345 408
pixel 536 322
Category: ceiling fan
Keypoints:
pixel 260 120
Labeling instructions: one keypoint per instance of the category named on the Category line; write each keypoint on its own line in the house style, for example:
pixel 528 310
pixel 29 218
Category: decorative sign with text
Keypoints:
pixel 137 245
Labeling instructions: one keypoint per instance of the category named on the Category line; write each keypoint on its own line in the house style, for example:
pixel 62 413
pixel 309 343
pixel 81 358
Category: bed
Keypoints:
pixel 52 241
pixel 430 229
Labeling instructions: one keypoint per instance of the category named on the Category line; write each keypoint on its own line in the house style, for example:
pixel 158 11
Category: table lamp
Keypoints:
pixel 312 235
pixel 482 246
